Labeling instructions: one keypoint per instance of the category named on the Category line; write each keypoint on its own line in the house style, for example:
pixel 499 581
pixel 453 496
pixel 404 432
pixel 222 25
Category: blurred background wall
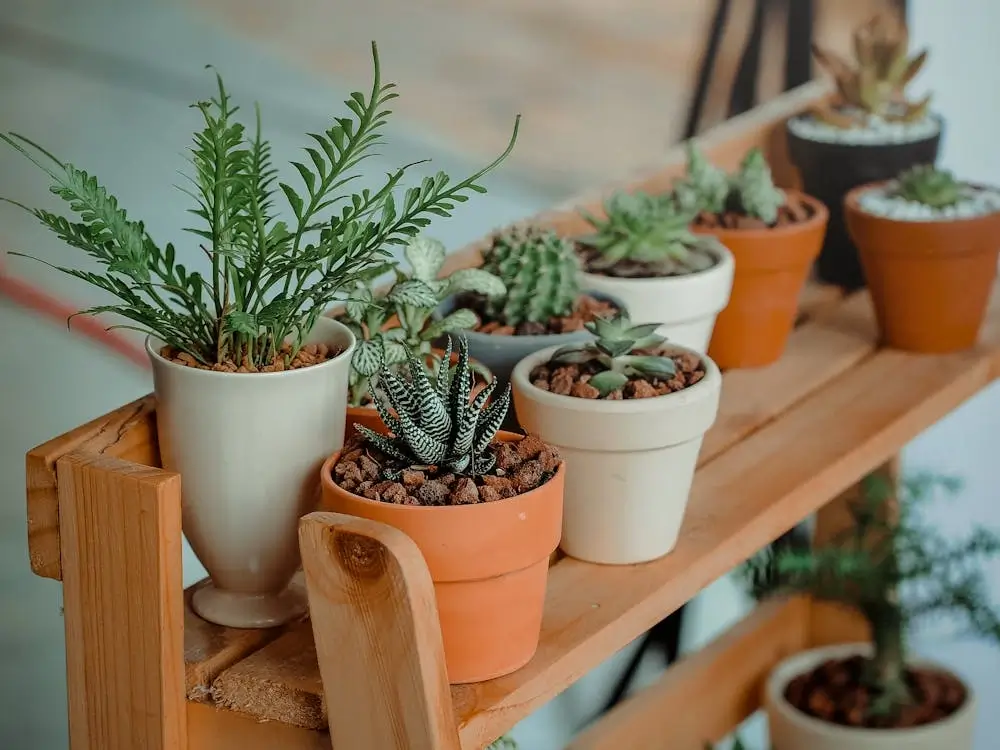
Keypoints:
pixel 604 88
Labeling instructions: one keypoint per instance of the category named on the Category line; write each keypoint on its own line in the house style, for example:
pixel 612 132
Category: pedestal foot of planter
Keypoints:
pixel 233 609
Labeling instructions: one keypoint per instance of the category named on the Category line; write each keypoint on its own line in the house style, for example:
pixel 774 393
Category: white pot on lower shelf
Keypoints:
pixel 248 447
pixel 686 306
pixel 791 729
pixel 629 463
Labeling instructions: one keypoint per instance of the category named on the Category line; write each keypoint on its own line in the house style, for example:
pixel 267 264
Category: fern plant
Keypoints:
pixel 269 279
pixel 750 190
pixel 893 569
pixel 613 350
pixel 411 300
pixel 541 271
pixel 648 229
pixel 436 421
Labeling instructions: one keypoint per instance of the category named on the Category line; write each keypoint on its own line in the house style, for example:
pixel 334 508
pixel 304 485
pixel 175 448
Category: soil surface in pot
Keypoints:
pixel 307 356
pixel 521 466
pixel 587 308
pixel 571 379
pixel 640 269
pixel 795 210
pixel 835 692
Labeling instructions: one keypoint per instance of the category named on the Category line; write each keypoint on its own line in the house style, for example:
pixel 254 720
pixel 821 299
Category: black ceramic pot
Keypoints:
pixel 830 170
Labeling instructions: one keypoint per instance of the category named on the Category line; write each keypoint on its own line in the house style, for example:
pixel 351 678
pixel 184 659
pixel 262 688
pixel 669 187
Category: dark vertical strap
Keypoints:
pixel 744 91
pixel 707 68
pixel 798 42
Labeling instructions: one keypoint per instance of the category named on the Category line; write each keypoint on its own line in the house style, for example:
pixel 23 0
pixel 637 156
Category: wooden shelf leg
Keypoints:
pixel 378 640
pixel 123 600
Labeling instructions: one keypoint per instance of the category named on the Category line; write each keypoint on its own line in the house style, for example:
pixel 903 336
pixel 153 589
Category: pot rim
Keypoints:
pixel 703 388
pixel 853 196
pixel 784 671
pixel 820 216
pixel 936 116
pixel 197 372
pixel 722 268
pixel 326 476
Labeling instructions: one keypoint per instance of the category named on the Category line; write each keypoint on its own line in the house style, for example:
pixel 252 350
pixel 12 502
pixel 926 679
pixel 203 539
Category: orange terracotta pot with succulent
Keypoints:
pixel 400 322
pixel 929 246
pixel 484 507
pixel 774 236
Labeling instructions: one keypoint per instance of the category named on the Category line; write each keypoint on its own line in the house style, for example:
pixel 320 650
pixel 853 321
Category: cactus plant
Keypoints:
pixel 433 422
pixel 750 190
pixel 411 300
pixel 876 83
pixel 648 229
pixel 613 349
pixel 541 272
pixel 930 186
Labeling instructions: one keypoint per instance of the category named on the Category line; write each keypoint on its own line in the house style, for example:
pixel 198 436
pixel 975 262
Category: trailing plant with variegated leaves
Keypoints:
pixel 411 300
pixel 270 279
pixel 613 350
pixel 435 421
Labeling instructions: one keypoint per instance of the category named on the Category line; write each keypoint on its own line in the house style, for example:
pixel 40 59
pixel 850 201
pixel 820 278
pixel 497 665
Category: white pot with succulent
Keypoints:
pixel 643 253
pixel 627 412
pixel 250 378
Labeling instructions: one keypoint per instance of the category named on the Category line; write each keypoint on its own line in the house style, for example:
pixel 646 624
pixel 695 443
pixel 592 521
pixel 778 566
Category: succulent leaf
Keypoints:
pixel 608 381
pixel 930 186
pixel 754 188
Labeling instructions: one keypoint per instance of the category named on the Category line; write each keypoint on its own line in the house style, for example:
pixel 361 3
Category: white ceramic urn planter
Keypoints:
pixel 687 305
pixel 248 447
pixel 791 729
pixel 629 463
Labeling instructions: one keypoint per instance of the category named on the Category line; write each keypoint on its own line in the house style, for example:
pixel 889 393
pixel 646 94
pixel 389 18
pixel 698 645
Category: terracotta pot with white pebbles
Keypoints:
pixel 929 247
pixel 868 133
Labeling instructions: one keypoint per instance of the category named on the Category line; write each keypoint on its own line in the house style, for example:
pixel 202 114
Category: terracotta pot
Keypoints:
pixel 930 281
pixel 686 306
pixel 629 463
pixel 830 170
pixel 790 729
pixel 489 563
pixel 247 446
pixel 771 268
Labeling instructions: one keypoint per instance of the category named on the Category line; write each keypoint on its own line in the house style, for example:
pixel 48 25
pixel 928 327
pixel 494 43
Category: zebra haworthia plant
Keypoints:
pixel 436 421
pixel 411 300
pixel 616 340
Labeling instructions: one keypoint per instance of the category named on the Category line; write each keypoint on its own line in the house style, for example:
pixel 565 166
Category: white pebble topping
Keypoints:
pixel 975 201
pixel 875 131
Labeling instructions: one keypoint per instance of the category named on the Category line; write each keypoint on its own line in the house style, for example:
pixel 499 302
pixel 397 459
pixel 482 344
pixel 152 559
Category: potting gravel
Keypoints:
pixel 975 202
pixel 876 131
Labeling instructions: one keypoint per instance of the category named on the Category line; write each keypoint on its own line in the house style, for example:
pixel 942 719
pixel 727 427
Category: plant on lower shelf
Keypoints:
pixel 398 323
pixel 483 506
pixel 894 570
pixel 774 236
pixel 228 313
pixel 625 410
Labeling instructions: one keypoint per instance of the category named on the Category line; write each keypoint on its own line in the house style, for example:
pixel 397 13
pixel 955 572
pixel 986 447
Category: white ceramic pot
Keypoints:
pixel 248 447
pixel 686 306
pixel 793 730
pixel 629 463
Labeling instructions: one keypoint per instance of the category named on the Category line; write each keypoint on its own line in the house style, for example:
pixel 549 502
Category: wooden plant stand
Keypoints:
pixel 367 673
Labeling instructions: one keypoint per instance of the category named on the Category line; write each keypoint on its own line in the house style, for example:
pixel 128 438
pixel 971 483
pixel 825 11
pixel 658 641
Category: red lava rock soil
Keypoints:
pixel 794 211
pixel 571 379
pixel 834 692
pixel 521 467
pixel 311 354
pixel 587 309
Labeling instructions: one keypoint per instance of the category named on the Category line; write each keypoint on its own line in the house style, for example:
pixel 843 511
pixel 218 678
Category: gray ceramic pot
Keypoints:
pixel 501 353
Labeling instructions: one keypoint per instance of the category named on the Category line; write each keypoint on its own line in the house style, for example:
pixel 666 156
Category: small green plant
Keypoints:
pixel 926 184
pixel 867 566
pixel 613 350
pixel 269 280
pixel 433 422
pixel 412 300
pixel 503 743
pixel 541 272
pixel 651 230
pixel 876 83
pixel 738 744
pixel 750 190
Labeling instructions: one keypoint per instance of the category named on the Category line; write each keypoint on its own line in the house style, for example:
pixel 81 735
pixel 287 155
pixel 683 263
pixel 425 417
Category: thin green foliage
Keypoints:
pixel 270 279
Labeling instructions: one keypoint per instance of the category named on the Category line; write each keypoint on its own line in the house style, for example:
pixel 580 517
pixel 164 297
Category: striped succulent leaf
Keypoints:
pixel 490 421
pixel 433 411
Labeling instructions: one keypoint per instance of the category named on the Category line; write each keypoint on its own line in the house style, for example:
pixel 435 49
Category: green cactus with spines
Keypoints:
pixel 705 187
pixel 649 229
pixel 753 188
pixel 541 272
pixel 926 184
